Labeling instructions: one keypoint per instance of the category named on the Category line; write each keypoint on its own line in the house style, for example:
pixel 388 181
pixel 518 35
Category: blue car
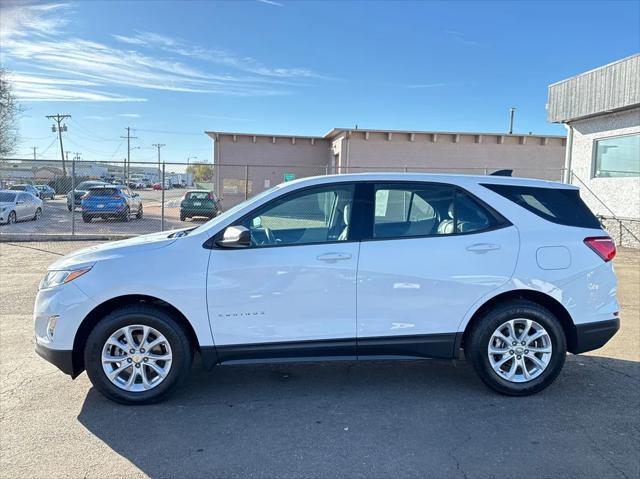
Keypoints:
pixel 110 201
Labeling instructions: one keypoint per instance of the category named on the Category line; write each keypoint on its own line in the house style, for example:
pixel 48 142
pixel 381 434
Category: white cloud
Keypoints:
pixel 247 64
pixel 129 115
pixel 271 2
pixel 51 65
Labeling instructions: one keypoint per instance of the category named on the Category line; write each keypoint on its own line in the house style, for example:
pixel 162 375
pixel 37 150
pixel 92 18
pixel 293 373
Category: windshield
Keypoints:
pixel 223 216
pixel 18 187
pixel 7 197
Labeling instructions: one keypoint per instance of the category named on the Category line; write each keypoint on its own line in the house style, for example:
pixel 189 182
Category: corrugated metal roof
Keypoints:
pixel 613 87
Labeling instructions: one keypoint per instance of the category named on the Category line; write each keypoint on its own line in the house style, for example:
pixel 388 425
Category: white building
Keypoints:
pixel 601 110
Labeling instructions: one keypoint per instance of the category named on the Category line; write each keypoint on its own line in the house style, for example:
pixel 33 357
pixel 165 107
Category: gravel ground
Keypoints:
pixel 369 419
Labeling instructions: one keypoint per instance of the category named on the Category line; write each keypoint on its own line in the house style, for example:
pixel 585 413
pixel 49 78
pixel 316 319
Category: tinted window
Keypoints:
pixel 7 197
pixel 18 188
pixel 562 206
pixel 85 185
pixel 93 192
pixel 619 156
pixel 197 195
pixel 425 210
pixel 315 215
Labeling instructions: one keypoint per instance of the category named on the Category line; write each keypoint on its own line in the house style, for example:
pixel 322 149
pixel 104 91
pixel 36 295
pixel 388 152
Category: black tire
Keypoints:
pixel 139 213
pixel 478 337
pixel 86 219
pixel 158 319
pixel 70 208
pixel 12 218
pixel 183 217
pixel 38 214
pixel 126 216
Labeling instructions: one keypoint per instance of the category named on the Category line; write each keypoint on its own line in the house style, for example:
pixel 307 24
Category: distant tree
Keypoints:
pixel 9 114
pixel 201 172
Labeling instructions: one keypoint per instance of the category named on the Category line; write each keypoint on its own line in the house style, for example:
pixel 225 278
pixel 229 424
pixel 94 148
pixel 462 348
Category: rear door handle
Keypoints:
pixel 333 257
pixel 483 247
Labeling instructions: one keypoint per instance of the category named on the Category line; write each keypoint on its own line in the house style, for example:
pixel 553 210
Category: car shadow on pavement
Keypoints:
pixel 379 419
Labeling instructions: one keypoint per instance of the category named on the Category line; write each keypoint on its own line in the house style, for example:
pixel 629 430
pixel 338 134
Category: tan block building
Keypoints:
pixel 248 163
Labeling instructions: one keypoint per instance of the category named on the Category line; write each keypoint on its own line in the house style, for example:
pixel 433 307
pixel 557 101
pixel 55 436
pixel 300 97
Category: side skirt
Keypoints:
pixel 390 347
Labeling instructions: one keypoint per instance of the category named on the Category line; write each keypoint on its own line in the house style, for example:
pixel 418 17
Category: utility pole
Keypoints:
pixel 34 151
pixel 60 128
pixel 158 146
pixel 512 112
pixel 128 163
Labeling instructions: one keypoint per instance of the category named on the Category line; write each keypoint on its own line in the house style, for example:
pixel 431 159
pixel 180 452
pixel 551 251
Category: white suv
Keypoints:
pixel 515 272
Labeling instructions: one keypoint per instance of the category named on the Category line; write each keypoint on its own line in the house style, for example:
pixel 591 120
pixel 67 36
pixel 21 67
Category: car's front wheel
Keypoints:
pixel 37 214
pixel 517 348
pixel 137 355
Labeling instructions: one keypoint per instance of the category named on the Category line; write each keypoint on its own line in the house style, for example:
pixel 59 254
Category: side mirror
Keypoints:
pixel 235 237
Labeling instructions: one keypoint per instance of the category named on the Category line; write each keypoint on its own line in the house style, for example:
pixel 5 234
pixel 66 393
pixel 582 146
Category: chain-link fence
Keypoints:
pixel 136 198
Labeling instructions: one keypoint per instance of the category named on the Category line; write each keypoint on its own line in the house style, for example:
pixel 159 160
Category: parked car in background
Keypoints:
pixel 28 188
pixel 74 198
pixel 514 272
pixel 46 192
pixel 18 205
pixel 199 203
pixel 110 201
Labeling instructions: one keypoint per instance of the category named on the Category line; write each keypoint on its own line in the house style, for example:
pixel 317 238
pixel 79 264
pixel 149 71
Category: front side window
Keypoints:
pixel 619 156
pixel 315 215
pixel 426 210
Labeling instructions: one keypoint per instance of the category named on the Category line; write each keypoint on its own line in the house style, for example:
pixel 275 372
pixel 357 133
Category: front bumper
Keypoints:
pixel 592 336
pixel 62 359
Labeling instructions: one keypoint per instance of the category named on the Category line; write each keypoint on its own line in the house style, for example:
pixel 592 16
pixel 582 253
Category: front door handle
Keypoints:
pixel 333 257
pixel 483 247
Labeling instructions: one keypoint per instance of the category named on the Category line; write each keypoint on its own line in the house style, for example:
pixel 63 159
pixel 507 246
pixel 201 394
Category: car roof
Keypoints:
pixel 460 180
pixel 105 185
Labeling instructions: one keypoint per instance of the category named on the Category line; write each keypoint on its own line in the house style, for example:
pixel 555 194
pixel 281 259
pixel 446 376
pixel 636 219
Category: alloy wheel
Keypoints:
pixel 519 350
pixel 136 358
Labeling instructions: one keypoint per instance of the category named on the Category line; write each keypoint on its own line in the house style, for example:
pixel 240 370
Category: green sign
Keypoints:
pixel 289 176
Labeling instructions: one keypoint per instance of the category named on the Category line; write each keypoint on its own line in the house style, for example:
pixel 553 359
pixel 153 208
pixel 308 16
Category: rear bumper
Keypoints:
pixel 592 336
pixel 62 359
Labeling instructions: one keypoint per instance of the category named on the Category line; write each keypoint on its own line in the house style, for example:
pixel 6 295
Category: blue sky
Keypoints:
pixel 171 70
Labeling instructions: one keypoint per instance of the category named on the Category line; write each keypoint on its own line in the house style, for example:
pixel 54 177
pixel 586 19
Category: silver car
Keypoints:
pixel 19 206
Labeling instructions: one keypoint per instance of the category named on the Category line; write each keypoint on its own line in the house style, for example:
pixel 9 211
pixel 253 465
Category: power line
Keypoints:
pixel 59 119
pixel 128 165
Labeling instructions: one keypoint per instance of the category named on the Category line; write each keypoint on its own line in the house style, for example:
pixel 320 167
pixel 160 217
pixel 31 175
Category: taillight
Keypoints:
pixel 603 247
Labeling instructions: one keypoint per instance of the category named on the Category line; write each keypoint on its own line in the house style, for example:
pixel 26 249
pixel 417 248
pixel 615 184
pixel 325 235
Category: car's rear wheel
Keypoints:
pixel 183 217
pixel 139 213
pixel 38 214
pixel 69 207
pixel 517 348
pixel 86 219
pixel 11 218
pixel 137 355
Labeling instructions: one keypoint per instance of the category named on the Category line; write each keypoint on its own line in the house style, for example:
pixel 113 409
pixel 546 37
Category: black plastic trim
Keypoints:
pixel 62 359
pixel 209 356
pixel 294 350
pixel 410 346
pixel 388 347
pixel 592 336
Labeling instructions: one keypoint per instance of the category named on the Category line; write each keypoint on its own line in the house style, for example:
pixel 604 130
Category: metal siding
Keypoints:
pixel 612 87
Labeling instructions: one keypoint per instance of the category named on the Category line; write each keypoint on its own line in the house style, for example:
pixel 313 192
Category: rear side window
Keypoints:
pixel 561 206
pixel 410 210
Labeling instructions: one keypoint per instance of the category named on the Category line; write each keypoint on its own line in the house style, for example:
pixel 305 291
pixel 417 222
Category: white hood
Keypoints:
pixel 115 249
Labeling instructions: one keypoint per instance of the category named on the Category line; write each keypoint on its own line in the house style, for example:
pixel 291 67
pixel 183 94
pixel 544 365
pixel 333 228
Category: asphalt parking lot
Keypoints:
pixel 56 218
pixel 345 419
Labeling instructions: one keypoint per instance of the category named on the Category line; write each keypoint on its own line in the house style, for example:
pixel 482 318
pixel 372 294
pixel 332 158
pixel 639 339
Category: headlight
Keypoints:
pixel 56 278
pixel 3 208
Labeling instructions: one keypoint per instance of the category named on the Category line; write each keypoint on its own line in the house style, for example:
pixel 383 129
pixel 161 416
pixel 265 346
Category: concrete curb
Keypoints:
pixel 15 238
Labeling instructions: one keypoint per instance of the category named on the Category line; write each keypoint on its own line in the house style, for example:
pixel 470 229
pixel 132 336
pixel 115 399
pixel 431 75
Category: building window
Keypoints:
pixel 618 156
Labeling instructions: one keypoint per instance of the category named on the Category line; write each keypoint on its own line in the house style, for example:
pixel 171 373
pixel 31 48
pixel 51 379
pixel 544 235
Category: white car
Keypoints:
pixel 514 272
pixel 19 206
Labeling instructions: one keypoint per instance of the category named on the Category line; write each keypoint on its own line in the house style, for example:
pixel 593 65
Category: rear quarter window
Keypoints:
pixel 558 205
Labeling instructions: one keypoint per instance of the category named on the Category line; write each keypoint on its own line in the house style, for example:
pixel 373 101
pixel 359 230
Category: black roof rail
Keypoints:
pixel 502 173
